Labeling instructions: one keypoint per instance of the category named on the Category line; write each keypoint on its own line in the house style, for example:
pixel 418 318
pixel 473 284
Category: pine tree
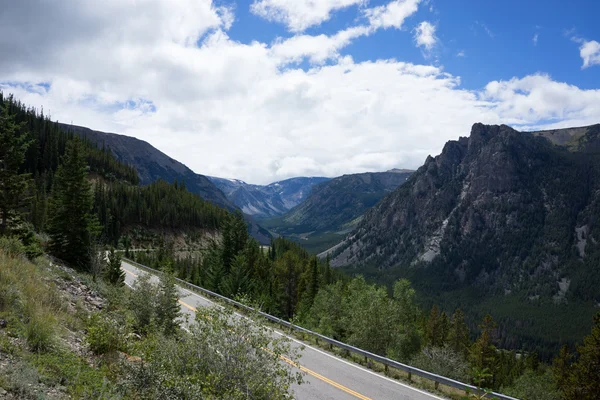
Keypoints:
pixel 212 269
pixel 13 145
pixel 327 275
pixel 238 280
pixel 433 331
pixel 582 380
pixel 458 335
pixel 483 356
pixel 114 274
pixel 72 223
pixel 235 236
pixel 168 310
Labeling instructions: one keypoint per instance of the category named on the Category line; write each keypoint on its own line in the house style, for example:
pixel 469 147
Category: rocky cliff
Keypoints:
pixel 502 210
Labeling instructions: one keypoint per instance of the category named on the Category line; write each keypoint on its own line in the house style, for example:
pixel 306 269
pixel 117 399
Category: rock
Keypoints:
pixel 3 323
pixel 3 392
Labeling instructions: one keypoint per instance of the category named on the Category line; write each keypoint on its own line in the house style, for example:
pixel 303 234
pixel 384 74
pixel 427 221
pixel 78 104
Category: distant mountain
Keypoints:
pixel 333 207
pixel 152 164
pixel 500 215
pixel 270 200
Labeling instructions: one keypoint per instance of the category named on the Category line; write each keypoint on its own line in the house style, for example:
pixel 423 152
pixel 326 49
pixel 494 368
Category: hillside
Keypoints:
pixel 269 200
pixel 334 207
pixel 152 165
pixel 499 213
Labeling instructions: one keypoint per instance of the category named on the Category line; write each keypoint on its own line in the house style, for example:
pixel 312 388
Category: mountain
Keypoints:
pixel 270 200
pixel 333 207
pixel 152 164
pixel 504 215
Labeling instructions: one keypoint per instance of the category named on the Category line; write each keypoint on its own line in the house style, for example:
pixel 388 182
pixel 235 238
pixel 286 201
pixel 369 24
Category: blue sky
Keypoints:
pixel 263 90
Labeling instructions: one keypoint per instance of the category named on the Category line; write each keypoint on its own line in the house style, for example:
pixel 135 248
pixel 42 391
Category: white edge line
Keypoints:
pixel 318 350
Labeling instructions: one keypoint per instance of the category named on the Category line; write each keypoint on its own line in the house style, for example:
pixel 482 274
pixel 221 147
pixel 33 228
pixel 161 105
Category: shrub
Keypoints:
pixel 442 361
pixel 107 333
pixel 142 303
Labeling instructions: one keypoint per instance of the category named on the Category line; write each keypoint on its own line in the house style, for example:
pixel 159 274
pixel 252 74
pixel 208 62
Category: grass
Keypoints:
pixel 38 323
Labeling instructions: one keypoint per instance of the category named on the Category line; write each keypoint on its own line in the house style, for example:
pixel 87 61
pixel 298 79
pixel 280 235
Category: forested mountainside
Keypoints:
pixel 269 200
pixel 151 165
pixel 500 213
pixel 334 207
pixel 54 159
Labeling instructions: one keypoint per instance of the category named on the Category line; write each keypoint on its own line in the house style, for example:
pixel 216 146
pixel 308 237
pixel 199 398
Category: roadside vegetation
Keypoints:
pixel 54 344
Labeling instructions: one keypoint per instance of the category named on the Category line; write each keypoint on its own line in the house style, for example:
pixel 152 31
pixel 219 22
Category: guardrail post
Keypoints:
pixel 387 369
pixel 317 341
pixel 437 385
pixel 409 376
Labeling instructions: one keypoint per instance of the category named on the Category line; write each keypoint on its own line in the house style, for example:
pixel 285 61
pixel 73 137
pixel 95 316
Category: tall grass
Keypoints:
pixel 28 299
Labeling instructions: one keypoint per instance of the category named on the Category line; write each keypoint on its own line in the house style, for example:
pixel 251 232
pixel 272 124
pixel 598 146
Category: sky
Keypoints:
pixel 264 90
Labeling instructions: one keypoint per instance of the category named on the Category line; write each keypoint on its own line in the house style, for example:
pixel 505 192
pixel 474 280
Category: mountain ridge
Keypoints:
pixel 264 201
pixel 334 207
pixel 152 164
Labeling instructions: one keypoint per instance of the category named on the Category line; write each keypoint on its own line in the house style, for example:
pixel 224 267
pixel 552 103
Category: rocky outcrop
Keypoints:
pixel 500 209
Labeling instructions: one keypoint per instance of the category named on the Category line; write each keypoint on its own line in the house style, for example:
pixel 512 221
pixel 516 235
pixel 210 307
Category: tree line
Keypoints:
pixel 54 182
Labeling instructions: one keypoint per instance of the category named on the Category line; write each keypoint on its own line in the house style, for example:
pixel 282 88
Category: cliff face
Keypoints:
pixel 501 209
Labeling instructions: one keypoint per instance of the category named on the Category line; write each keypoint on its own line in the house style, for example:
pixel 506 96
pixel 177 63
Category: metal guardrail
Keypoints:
pixel 388 363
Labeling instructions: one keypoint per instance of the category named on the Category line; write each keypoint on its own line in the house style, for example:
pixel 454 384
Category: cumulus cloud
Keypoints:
pixel 424 35
pixel 298 15
pixel 590 53
pixel 391 15
pixel 171 75
pixel 535 39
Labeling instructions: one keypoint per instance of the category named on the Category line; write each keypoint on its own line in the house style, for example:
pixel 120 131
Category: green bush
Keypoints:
pixel 107 333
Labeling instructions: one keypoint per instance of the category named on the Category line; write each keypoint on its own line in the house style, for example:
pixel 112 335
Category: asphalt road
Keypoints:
pixel 327 377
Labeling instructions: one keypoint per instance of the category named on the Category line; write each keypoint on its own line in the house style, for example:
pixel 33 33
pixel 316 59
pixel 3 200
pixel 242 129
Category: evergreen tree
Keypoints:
pixel 434 330
pixel 458 335
pixel 167 305
pixel 235 236
pixel 238 280
pixel 327 274
pixel 72 223
pixel 114 274
pixel 213 269
pixel 287 275
pixel 483 355
pixel 13 145
pixel 582 380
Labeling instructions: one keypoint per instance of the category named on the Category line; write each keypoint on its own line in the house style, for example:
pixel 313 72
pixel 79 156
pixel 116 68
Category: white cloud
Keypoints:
pixel 317 49
pixel 425 36
pixel 246 110
pixel 391 15
pixel 461 53
pixel 299 15
pixel 535 39
pixel 590 53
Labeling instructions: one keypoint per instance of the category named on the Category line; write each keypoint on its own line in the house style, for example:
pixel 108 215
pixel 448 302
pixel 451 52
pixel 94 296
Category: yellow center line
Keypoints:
pixel 294 364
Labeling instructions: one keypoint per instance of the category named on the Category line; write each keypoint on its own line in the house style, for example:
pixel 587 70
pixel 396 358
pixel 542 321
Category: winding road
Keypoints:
pixel 327 377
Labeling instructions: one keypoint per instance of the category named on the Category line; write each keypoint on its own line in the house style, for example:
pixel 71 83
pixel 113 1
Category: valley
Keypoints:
pixel 485 258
